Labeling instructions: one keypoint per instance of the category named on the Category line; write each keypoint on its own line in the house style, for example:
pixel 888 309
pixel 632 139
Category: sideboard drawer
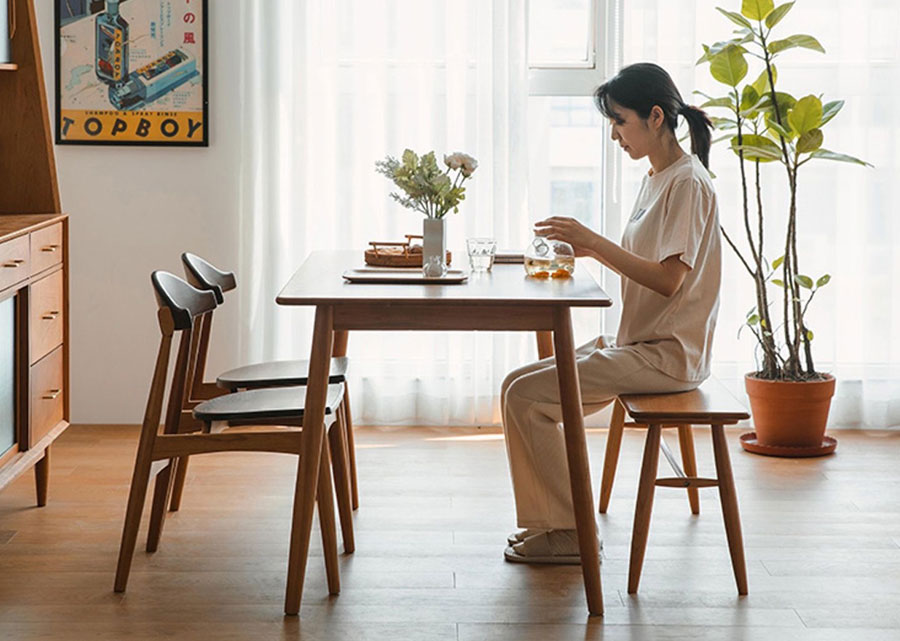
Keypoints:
pixel 46 316
pixel 13 261
pixel 46 247
pixel 47 395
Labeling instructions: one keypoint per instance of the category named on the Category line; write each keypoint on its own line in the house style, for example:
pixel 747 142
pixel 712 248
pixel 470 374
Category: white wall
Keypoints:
pixel 134 210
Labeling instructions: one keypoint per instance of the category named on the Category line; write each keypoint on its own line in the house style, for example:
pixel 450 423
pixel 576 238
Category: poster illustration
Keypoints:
pixel 131 72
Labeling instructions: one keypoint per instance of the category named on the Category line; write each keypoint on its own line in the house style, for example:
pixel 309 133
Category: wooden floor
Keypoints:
pixel 822 541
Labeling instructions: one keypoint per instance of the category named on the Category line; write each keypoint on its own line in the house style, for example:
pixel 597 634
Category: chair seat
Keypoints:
pixel 278 374
pixel 264 404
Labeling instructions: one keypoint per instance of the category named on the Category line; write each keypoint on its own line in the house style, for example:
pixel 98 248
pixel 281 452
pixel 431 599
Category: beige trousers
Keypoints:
pixel 529 401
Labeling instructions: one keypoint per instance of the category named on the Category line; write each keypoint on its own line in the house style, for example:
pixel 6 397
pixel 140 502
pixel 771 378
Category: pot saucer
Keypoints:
pixel 749 443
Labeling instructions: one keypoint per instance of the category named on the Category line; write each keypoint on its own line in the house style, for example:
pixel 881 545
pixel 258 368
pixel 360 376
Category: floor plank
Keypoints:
pixel 822 541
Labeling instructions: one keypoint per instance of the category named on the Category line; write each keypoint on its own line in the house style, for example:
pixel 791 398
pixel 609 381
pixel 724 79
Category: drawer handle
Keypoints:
pixel 49 248
pixel 15 262
pixel 52 394
pixel 50 316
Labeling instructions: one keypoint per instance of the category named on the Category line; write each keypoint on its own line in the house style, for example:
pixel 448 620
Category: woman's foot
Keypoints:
pixel 556 547
pixel 521 535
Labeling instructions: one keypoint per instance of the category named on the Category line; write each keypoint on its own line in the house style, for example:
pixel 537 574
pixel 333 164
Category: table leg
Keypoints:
pixel 544 344
pixel 312 437
pixel 576 454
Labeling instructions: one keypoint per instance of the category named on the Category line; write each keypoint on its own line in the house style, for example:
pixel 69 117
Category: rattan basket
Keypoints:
pixel 394 254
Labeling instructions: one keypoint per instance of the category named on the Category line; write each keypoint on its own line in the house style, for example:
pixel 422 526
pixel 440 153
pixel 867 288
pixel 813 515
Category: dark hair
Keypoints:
pixel 641 86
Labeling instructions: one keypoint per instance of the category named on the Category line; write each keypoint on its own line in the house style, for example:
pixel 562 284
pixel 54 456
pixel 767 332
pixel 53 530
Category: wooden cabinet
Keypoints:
pixel 34 276
pixel 33 265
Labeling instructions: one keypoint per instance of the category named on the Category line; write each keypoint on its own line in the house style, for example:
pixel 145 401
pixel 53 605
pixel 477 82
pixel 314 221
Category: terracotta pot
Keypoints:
pixel 789 414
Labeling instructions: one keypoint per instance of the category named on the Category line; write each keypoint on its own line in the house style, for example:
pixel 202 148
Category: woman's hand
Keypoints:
pixel 569 230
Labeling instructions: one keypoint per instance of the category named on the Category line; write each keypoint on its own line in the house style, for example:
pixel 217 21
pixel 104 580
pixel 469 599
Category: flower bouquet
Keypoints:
pixel 433 191
pixel 426 187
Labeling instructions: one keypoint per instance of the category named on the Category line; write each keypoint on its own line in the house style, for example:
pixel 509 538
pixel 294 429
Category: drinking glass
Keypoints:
pixel 481 253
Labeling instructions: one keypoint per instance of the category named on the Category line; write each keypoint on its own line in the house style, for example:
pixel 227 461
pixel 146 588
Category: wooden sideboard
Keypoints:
pixel 34 273
pixel 34 276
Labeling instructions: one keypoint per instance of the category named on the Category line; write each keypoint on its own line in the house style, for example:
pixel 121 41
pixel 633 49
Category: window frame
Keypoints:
pixel 547 79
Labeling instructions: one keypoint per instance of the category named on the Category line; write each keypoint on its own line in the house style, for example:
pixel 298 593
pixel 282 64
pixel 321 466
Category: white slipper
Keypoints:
pixel 554 547
pixel 521 535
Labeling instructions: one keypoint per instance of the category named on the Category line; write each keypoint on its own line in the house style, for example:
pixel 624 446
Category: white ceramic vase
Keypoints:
pixel 434 247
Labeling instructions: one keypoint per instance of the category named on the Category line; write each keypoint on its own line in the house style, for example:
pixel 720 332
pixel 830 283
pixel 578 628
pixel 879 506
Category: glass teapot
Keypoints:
pixel 546 258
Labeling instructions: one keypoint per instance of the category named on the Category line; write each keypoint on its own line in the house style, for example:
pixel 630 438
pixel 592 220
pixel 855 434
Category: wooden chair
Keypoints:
pixel 288 373
pixel 181 310
pixel 710 404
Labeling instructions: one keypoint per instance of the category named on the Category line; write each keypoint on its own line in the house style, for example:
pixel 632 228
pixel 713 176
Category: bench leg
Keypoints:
pixel 613 445
pixel 728 496
pixel 689 460
pixel 643 507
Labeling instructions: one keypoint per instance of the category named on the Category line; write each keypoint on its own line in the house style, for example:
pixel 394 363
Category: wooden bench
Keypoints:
pixel 710 404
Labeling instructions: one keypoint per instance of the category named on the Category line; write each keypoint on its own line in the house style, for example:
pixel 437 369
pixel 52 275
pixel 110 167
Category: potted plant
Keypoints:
pixel 432 191
pixel 789 398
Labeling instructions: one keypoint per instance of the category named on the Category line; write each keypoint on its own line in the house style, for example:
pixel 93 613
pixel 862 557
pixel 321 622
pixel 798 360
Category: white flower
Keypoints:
pixel 453 161
pixel 469 165
pixel 464 162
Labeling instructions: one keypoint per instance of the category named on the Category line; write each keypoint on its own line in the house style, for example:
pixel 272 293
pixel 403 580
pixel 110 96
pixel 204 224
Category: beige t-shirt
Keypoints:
pixel 676 214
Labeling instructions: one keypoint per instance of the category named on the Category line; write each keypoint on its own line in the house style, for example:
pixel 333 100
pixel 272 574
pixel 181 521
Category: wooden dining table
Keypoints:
pixel 504 299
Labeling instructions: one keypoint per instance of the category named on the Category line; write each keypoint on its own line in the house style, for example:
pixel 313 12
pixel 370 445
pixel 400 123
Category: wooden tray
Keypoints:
pixel 391 254
pixel 401 276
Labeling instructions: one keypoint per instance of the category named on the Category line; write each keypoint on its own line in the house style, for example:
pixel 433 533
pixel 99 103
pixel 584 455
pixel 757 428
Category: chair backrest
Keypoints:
pixel 184 301
pixel 203 275
pixel 180 305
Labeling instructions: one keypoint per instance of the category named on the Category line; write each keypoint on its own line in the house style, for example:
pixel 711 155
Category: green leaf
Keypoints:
pixel 410 159
pixel 778 13
pixel 785 132
pixel 823 281
pixel 761 84
pixel 824 154
pixel 756 9
pixel 809 335
pixel 807 42
pixel 749 97
pixel 810 141
pixel 830 110
pixel 753 320
pixel 778 281
pixel 756 148
pixel 735 17
pixel 722 123
pixel 729 66
pixel 725 101
pixel 804 281
pixel 806 114
pixel 777 262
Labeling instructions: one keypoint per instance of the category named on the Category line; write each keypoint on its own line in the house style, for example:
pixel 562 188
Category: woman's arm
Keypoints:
pixel 664 277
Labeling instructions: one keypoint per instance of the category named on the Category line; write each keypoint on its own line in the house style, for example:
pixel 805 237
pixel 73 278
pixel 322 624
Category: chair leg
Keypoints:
pixel 136 497
pixel 643 507
pixel 161 492
pixel 613 445
pixel 178 483
pixel 325 500
pixel 42 477
pixel 689 460
pixel 341 480
pixel 351 447
pixel 728 496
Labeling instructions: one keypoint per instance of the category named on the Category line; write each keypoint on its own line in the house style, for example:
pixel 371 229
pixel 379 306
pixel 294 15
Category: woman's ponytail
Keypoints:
pixel 701 131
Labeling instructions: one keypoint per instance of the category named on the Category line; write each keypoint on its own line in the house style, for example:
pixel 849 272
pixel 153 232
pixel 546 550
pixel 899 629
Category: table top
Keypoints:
pixel 319 281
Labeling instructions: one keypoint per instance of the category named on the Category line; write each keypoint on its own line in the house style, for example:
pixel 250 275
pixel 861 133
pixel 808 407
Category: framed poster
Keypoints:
pixel 131 72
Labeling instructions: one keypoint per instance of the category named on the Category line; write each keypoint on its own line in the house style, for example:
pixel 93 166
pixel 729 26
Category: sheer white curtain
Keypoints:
pixel 848 223
pixel 332 86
